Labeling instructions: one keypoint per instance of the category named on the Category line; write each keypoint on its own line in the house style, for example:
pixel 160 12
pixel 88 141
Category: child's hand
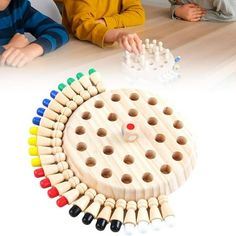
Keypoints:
pixel 190 12
pixel 101 21
pixel 18 41
pixel 130 42
pixel 18 57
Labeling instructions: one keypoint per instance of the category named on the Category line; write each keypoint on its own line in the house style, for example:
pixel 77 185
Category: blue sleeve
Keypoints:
pixel 49 34
pixel 2 49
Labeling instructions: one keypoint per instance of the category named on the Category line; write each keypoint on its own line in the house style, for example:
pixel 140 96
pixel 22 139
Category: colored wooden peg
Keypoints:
pixel 142 217
pixel 45 132
pixel 166 211
pixel 155 215
pixel 92 211
pixel 130 217
pixel 72 195
pixel 45 142
pixel 118 215
pixel 45 122
pixel 105 214
pixel 82 203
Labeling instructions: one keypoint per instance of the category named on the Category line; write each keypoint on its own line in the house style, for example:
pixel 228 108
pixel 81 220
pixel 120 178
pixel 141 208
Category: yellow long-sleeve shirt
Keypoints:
pixel 80 17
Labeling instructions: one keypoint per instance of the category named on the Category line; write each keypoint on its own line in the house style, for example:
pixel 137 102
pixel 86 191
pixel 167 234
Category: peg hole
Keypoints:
pixel 126 179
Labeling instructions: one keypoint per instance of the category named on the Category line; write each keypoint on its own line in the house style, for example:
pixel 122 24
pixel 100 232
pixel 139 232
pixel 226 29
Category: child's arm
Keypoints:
pixel 189 12
pixel 49 35
pixel 224 11
pixel 132 14
pixel 85 26
pixel 18 57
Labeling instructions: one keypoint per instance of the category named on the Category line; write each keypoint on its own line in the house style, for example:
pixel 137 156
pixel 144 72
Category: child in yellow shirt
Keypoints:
pixel 102 21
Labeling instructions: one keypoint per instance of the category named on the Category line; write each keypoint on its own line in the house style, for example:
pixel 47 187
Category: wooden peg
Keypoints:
pixel 94 76
pixel 55 179
pixel 48 113
pixel 72 105
pixel 48 150
pixel 67 91
pixel 53 105
pixel 118 215
pixel 48 159
pixel 142 217
pixel 155 215
pixel 100 87
pixel 65 186
pixel 55 168
pixel 130 217
pixel 82 203
pixel 45 122
pixel 75 85
pixel 85 95
pixel 84 80
pixel 166 211
pixel 92 90
pixel 45 132
pixel 78 99
pixel 63 100
pixel 66 111
pixel 105 214
pixel 43 141
pixel 62 119
pixel 92 211
pixel 72 195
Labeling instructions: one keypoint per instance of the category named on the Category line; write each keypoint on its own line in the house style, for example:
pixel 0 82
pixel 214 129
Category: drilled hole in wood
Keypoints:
pixel 106 173
pixel 115 97
pixel 178 124
pixel 160 138
pixel 181 140
pixel 99 104
pixel 126 179
pixel 152 121
pixel 108 150
pixel 80 130
pixel 165 169
pixel 168 111
pixel 128 160
pixel 90 162
pixel 147 177
pixel 101 132
pixel 112 117
pixel 86 115
pixel 81 147
pixel 134 96
pixel 177 156
pixel 133 112
pixel 150 154
pixel 152 101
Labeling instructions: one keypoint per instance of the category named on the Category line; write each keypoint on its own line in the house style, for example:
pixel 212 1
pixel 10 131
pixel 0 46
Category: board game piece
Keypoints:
pixel 155 61
pixel 105 214
pixel 119 154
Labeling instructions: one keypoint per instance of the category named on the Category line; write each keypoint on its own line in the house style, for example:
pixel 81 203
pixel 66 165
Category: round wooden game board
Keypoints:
pixel 156 163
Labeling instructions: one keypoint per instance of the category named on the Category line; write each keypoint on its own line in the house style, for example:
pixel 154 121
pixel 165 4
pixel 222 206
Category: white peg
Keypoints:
pixel 160 44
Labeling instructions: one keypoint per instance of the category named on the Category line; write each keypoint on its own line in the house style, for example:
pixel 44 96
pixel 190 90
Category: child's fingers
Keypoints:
pixel 192 5
pixel 126 44
pixel 5 55
pixel 12 56
pixel 138 42
pixel 17 60
pixel 195 19
pixel 133 45
pixel 22 63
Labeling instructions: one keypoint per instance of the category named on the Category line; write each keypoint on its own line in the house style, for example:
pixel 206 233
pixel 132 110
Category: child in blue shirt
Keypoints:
pixel 18 17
